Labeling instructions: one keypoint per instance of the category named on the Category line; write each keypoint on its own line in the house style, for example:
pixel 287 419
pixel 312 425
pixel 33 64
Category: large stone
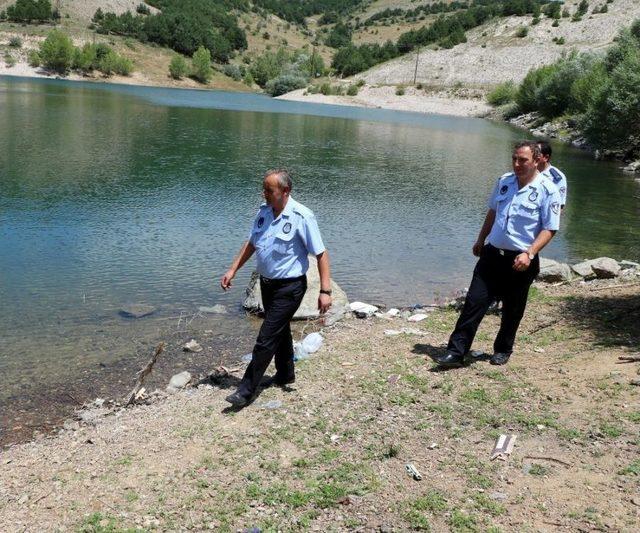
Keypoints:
pixel 363 310
pixel 552 272
pixel 634 166
pixel 584 269
pixel 605 267
pixel 628 265
pixel 309 306
pixel 179 381
pixel 137 310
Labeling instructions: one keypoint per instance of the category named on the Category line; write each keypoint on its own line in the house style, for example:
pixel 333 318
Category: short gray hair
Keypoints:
pixel 284 177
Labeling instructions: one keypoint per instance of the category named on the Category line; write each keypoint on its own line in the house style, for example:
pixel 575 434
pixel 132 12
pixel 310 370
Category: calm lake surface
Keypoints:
pixel 116 194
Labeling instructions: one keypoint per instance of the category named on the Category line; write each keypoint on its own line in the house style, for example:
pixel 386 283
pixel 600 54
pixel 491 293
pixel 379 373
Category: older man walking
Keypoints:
pixel 523 216
pixel 284 233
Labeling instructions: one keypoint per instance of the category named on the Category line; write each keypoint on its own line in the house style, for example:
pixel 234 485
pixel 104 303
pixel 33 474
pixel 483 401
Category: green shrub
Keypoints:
pixel 503 94
pixel 284 84
pixel 352 90
pixel 522 32
pixel 113 63
pixel 553 96
pixel 201 65
pixel 613 120
pixel 248 79
pixel 178 67
pixel 86 58
pixel 57 51
pixel 400 90
pixel 326 89
pixel 33 58
pixel 586 88
pixel 526 97
pixel 15 42
pixel 9 60
pixel 233 71
pixel 556 23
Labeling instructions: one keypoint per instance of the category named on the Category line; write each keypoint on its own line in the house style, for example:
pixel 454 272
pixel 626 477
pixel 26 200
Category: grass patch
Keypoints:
pixel 482 502
pixel 477 396
pixel 610 430
pixel 538 470
pixel 461 522
pixel 632 470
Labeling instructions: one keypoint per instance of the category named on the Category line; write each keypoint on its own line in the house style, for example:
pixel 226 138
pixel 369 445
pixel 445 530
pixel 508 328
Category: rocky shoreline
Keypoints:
pixel 567 131
pixel 330 452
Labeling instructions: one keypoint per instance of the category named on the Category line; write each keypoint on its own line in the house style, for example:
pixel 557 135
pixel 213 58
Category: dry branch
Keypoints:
pixel 144 373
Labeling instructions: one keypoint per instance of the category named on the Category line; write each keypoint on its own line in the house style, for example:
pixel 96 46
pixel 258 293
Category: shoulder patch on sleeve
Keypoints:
pixel 555 174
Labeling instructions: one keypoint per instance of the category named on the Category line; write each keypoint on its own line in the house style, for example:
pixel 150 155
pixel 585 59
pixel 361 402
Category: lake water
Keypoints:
pixel 117 194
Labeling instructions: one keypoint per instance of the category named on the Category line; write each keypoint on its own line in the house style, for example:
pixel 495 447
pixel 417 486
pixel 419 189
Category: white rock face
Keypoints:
pixel 417 317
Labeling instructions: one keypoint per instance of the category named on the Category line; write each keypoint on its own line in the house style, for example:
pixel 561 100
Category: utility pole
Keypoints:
pixel 415 72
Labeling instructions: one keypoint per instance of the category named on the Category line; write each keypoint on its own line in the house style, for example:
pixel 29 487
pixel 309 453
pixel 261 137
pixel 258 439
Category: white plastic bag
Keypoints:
pixel 312 342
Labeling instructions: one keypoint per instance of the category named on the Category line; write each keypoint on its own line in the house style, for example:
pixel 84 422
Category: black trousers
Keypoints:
pixel 281 299
pixel 494 279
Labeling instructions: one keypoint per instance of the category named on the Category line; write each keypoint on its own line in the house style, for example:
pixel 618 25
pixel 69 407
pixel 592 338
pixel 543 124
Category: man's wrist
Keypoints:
pixel 325 291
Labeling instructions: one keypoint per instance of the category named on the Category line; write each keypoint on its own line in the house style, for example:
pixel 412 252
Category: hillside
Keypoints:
pixel 494 53
pixel 281 39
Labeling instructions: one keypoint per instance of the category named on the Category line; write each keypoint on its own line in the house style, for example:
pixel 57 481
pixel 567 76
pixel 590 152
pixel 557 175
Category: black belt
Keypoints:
pixel 500 251
pixel 281 281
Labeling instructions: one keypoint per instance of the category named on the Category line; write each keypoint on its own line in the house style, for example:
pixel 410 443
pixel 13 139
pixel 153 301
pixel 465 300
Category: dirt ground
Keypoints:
pixel 329 453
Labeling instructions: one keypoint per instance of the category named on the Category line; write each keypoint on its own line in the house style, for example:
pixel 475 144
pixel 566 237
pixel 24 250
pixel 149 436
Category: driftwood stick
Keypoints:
pixel 547 458
pixel 628 359
pixel 144 373
pixel 543 326
pixel 619 286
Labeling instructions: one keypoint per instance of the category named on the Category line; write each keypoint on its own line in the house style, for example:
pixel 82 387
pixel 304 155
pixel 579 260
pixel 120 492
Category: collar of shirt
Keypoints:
pixel 533 184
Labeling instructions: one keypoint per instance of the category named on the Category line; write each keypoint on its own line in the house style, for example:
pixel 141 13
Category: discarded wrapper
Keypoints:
pixel 504 447
pixel 413 472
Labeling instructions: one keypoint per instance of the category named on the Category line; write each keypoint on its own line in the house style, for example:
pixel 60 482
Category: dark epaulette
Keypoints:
pixel 557 177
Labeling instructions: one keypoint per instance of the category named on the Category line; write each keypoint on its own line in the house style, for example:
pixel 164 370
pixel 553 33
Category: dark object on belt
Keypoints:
pixel 281 281
pixel 506 253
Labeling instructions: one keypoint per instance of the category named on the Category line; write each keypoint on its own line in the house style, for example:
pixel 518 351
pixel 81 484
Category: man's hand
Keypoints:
pixel 225 282
pixel 477 248
pixel 522 262
pixel 324 302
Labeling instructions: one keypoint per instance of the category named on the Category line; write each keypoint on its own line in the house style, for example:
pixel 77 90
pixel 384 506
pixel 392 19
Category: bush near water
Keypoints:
pixel 57 53
pixel 600 91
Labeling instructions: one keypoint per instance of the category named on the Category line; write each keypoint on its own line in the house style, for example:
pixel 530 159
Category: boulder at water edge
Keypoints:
pixel 552 272
pixel 605 267
pixel 584 269
pixel 309 306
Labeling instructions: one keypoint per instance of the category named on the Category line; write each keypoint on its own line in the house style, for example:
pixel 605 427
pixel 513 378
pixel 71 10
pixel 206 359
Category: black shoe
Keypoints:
pixel 500 358
pixel 450 360
pixel 277 381
pixel 237 399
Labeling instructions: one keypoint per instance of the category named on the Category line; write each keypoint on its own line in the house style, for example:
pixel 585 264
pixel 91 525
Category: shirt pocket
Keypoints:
pixel 283 242
pixel 528 211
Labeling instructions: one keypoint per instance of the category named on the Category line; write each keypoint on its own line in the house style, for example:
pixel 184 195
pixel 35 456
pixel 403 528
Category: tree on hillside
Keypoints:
pixel 201 65
pixel 30 10
pixel 57 51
